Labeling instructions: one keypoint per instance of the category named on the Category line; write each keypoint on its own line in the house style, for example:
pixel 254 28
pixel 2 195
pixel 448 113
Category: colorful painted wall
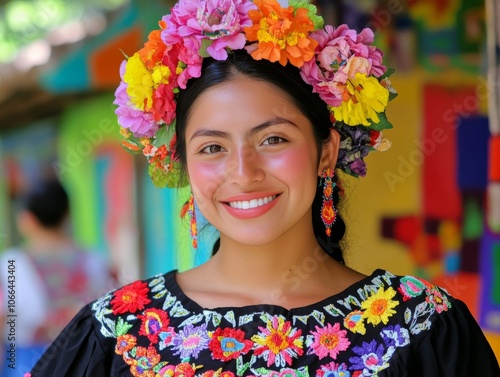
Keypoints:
pixel 420 210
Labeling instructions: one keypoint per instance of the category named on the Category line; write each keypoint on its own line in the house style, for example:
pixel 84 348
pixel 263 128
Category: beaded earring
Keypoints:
pixel 328 211
pixel 188 209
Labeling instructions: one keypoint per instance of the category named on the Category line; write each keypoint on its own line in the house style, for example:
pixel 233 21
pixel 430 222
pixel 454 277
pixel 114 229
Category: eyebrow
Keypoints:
pixel 253 131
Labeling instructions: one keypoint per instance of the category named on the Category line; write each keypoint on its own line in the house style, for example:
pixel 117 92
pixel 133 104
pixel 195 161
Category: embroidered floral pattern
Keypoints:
pixel 329 341
pixel 227 344
pixel 131 298
pixel 278 342
pixel 356 334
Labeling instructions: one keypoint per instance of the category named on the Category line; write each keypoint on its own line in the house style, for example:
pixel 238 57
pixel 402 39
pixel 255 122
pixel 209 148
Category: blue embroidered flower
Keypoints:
pixel 333 370
pixel 370 357
pixel 395 336
pixel 190 341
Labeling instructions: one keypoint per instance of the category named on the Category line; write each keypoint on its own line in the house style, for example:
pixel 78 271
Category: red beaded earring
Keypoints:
pixel 328 211
pixel 188 209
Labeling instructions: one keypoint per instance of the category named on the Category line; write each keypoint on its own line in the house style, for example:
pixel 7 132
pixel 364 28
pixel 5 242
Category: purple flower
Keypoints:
pixel 395 336
pixel 354 147
pixel 141 123
pixel 221 21
pixel 370 356
pixel 190 341
pixel 358 167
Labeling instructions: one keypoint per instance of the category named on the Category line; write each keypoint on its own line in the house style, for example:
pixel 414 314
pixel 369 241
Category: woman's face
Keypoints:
pixel 252 161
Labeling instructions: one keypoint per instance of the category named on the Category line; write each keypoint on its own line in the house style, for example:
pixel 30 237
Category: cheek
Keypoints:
pixel 295 163
pixel 204 178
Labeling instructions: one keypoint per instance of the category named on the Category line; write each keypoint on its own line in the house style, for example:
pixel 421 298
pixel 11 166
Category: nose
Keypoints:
pixel 244 167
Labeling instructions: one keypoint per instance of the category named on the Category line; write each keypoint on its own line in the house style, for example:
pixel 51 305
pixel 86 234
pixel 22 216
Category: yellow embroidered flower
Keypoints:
pixel 363 98
pixel 379 307
pixel 141 82
pixel 354 322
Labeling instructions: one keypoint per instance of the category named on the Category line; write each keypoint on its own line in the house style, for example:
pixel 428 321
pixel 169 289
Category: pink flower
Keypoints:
pixel 220 21
pixel 329 341
pixel 141 123
pixel 341 53
pixel 189 56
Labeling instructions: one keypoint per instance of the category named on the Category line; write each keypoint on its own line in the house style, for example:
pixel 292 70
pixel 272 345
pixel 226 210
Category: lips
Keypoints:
pixel 250 204
pixel 248 207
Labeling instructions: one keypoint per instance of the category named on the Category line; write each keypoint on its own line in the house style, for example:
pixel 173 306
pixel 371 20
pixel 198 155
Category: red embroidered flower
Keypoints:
pixel 227 344
pixel 130 298
pixel 154 322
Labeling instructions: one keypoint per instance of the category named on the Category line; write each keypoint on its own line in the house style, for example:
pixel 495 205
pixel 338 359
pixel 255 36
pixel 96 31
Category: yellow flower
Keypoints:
pixel 379 307
pixel 364 97
pixel 354 322
pixel 141 82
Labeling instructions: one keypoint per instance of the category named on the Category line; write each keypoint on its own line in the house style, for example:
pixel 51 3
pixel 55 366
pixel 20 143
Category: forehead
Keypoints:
pixel 243 99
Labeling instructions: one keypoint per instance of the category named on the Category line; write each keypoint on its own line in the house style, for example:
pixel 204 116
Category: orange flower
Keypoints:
pixel 282 34
pixel 153 50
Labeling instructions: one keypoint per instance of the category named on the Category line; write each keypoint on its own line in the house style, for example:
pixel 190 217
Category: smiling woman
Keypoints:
pixel 256 106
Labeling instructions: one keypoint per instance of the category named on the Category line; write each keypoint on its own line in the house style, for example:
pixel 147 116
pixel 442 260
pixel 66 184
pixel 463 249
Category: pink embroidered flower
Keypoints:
pixel 328 341
pixel 437 299
pixel 140 122
pixel 220 21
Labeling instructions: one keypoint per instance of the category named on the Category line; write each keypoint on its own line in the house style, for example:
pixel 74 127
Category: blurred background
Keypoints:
pixel 429 206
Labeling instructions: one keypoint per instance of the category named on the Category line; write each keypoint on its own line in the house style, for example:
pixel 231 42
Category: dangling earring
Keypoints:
pixel 188 209
pixel 328 211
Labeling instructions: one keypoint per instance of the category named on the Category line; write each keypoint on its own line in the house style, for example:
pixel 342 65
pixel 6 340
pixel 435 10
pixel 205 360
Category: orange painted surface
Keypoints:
pixel 105 61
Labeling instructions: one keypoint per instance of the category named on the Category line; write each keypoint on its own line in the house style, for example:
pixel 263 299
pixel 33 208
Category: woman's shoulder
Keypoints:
pixel 414 302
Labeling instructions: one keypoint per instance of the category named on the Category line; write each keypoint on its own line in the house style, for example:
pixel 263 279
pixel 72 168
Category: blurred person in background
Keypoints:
pixel 49 277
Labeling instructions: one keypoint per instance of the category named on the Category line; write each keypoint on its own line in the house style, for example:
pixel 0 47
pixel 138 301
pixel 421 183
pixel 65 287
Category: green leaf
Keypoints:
pixel 387 73
pixel 205 44
pixel 241 367
pixel 122 327
pixel 164 135
pixel 383 124
pixel 312 12
pixel 392 95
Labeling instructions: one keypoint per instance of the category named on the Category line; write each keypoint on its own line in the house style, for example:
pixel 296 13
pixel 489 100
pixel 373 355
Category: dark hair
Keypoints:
pixel 288 79
pixel 48 202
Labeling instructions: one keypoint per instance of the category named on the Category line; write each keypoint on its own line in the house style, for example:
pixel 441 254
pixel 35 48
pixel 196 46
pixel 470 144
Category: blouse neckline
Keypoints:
pixel 176 290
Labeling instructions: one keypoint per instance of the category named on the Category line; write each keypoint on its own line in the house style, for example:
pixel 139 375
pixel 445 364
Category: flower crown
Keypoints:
pixel 342 67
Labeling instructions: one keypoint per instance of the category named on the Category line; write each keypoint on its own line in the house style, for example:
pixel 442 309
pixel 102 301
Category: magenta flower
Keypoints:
pixel 140 122
pixel 341 53
pixel 328 341
pixel 192 60
pixel 220 21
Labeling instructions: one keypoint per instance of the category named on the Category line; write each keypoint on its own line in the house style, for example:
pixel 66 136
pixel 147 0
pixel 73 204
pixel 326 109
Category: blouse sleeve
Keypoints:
pixel 455 346
pixel 76 352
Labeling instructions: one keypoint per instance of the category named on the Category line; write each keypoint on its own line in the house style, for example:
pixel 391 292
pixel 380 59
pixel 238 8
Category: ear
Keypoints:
pixel 329 152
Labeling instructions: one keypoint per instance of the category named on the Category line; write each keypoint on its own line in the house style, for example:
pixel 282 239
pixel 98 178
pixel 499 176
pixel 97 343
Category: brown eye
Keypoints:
pixel 212 149
pixel 273 140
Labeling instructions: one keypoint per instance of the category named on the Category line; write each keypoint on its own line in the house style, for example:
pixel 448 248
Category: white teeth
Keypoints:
pixel 254 203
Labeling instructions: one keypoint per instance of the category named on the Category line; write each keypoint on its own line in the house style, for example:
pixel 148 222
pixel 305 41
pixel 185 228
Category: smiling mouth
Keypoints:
pixel 254 203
